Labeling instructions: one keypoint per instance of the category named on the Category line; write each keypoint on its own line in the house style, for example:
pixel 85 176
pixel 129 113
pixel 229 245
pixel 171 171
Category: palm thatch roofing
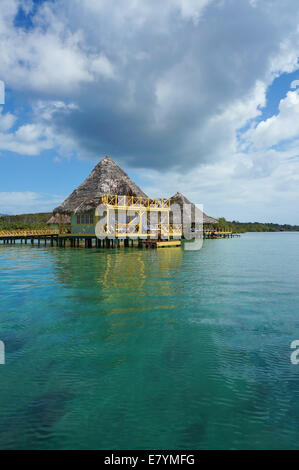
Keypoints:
pixel 106 178
pixel 180 210
pixel 54 220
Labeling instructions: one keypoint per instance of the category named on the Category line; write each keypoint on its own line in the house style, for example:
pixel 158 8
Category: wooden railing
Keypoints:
pixel 27 233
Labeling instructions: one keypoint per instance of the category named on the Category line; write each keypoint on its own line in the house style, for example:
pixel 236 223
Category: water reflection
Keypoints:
pixel 116 281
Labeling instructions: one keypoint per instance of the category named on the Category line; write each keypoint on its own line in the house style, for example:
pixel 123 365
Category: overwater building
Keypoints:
pixel 109 204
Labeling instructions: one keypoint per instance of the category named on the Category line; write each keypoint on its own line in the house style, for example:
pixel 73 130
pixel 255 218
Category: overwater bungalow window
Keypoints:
pixel 85 219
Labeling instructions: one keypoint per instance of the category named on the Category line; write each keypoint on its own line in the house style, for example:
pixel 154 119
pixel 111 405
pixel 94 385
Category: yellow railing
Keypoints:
pixel 118 230
pixel 176 230
pixel 65 229
pixel 134 202
pixel 215 232
pixel 27 233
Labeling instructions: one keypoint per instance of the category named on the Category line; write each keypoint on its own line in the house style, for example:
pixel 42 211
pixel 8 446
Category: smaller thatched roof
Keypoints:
pixel 54 220
pixel 188 217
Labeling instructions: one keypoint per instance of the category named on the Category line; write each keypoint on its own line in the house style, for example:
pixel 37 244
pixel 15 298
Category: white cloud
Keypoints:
pixel 7 121
pixel 278 128
pixel 161 85
pixel 48 59
pixel 192 8
pixel 39 135
pixel 101 66
pixel 27 202
pixel 28 139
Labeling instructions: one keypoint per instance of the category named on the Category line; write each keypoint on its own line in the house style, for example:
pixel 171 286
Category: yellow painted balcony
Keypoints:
pixel 132 202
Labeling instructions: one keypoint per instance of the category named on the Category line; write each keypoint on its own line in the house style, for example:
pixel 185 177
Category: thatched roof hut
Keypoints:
pixel 54 220
pixel 177 203
pixel 106 178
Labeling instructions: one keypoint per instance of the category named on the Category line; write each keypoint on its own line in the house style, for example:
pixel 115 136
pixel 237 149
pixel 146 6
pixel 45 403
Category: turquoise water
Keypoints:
pixel 151 349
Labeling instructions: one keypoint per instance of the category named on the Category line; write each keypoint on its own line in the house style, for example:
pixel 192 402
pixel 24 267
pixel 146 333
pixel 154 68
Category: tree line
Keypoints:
pixel 24 221
pixel 243 227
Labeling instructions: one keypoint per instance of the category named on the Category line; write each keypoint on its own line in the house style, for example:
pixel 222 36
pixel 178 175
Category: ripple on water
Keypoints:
pixel 150 349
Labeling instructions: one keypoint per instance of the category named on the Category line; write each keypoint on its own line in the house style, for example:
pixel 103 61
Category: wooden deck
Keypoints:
pixel 162 243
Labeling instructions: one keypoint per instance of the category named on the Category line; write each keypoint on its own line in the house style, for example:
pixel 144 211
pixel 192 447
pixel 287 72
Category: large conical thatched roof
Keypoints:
pixel 188 217
pixel 106 178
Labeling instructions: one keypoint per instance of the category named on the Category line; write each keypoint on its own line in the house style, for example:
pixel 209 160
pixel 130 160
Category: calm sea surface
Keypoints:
pixel 151 349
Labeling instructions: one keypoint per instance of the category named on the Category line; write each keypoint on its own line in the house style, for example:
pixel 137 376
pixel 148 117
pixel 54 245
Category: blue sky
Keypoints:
pixel 193 96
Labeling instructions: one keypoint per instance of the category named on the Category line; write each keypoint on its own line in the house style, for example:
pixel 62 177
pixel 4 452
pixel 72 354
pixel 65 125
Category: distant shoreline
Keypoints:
pixel 244 227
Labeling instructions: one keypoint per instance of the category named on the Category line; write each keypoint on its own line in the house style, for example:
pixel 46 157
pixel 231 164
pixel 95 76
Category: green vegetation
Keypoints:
pixel 243 227
pixel 24 221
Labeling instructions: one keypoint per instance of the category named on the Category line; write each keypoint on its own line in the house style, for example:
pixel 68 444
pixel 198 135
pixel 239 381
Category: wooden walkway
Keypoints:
pixel 52 236
pixel 31 236
pixel 221 234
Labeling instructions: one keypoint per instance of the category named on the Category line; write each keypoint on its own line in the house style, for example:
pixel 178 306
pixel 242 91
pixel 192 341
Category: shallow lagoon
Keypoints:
pixel 151 349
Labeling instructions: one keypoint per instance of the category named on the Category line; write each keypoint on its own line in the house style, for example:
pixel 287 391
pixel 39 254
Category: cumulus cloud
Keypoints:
pixel 27 139
pixel 27 202
pixel 7 121
pixel 48 59
pixel 158 86
pixel 279 128
pixel 150 80
pixel 35 137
